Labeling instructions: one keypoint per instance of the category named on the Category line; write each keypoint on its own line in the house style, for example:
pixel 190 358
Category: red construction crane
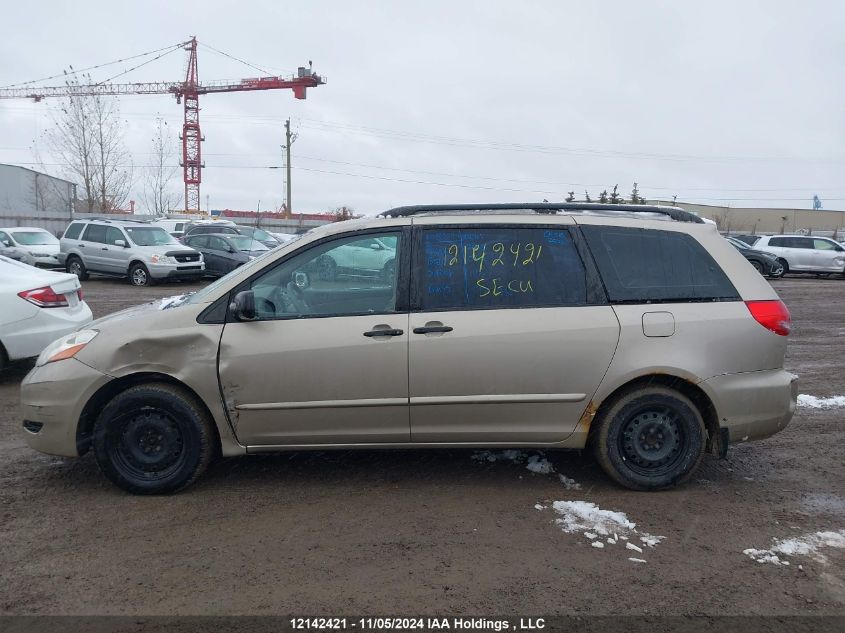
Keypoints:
pixel 187 92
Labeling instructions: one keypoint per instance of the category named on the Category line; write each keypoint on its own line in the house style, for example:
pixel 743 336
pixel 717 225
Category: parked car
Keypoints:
pixel 283 237
pixel 40 244
pixel 175 227
pixel 648 341
pixel 766 263
pixel 260 235
pixel 805 253
pixel 224 252
pixel 206 228
pixel 18 254
pixel 368 258
pixel 39 306
pixel 142 252
pixel 751 240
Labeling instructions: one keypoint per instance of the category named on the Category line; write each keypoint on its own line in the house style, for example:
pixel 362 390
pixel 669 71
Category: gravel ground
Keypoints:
pixel 433 531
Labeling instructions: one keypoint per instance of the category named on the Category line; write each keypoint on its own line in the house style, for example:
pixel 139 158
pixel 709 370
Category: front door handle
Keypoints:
pixel 372 333
pixel 432 328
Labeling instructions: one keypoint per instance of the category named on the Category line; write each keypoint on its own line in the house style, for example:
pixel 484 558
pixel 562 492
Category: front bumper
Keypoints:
pixel 753 405
pixel 190 270
pixel 53 397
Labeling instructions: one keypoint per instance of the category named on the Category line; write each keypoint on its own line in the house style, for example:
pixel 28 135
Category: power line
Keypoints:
pixel 118 61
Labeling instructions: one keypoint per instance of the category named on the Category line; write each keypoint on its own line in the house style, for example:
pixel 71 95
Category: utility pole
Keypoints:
pixel 288 142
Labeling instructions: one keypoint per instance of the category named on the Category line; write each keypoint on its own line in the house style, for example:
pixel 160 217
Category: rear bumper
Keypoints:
pixel 24 339
pixel 52 399
pixel 753 405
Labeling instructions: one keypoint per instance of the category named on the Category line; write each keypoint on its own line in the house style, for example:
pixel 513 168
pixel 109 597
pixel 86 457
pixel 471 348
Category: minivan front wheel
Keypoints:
pixel 153 439
pixel 650 438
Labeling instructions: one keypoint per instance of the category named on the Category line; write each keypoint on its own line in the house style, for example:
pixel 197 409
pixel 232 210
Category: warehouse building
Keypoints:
pixel 32 198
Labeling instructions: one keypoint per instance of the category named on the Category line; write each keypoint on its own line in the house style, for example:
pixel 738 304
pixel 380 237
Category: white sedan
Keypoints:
pixel 41 245
pixel 39 306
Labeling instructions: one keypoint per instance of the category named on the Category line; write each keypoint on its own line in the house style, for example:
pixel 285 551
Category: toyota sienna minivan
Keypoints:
pixel 635 331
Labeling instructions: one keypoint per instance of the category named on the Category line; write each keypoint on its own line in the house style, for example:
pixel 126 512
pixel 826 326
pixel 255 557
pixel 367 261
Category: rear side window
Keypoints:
pixel 499 267
pixel 645 265
pixel 73 231
pixel 95 233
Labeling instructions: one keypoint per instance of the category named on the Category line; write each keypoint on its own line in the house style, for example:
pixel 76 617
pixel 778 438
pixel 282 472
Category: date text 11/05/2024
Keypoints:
pixel 416 624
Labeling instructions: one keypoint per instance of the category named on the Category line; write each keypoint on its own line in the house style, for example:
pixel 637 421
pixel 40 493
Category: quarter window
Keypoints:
pixel 824 245
pixel 73 231
pixel 500 267
pixel 348 276
pixel 646 265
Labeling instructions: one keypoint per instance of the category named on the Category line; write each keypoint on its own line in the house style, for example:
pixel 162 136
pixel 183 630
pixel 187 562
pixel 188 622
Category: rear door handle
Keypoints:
pixel 432 328
pixel 373 333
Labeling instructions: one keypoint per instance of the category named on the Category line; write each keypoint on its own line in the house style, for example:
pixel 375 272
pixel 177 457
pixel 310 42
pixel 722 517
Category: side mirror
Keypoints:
pixel 376 246
pixel 301 280
pixel 243 306
pixel 121 243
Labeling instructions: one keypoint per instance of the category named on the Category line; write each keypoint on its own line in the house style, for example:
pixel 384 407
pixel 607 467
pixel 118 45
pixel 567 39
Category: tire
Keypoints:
pixel 757 266
pixel 139 275
pixel 650 438
pixel 75 266
pixel 785 266
pixel 153 439
pixel 327 269
pixel 776 273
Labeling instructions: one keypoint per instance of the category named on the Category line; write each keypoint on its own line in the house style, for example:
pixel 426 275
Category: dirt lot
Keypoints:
pixel 432 532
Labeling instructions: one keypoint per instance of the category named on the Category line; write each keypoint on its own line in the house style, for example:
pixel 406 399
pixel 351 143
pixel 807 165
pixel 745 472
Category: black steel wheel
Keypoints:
pixel 153 438
pixel 649 438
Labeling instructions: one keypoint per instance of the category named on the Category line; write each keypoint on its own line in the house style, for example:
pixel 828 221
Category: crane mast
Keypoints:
pixel 187 93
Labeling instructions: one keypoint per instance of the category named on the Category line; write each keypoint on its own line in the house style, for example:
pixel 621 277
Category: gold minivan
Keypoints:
pixel 636 331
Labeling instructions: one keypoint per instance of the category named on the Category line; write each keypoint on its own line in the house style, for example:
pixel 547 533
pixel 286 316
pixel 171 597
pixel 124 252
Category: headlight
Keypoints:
pixel 163 259
pixel 66 347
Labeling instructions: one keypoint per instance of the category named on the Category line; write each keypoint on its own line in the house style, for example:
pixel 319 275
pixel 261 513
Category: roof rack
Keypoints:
pixel 551 208
pixel 111 220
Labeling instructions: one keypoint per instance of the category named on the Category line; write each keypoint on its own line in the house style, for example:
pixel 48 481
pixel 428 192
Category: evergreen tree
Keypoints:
pixel 587 195
pixel 603 197
pixel 614 197
pixel 571 197
pixel 635 195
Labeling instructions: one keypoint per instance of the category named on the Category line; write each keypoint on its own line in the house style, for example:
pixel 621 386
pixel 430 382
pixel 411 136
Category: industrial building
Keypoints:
pixel 32 198
pixel 767 220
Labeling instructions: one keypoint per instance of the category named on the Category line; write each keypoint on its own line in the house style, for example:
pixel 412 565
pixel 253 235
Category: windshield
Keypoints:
pixel 258 234
pixel 33 238
pixel 150 236
pixel 244 243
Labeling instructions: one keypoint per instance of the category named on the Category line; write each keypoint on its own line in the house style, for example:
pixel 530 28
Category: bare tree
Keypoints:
pixel 88 138
pixel 157 194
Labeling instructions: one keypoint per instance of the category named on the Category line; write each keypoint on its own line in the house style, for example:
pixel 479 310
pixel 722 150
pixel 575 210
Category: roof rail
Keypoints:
pixel 110 220
pixel 675 213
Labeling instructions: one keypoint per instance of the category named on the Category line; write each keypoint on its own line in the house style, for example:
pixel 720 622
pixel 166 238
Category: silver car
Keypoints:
pixel 142 252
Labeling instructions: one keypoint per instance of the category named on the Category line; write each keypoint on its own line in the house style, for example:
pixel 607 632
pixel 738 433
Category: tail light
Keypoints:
pixel 79 294
pixel 44 298
pixel 772 315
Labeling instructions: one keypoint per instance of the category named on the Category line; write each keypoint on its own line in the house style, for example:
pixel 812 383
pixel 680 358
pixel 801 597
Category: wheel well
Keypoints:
pixel 133 262
pixel 700 399
pixel 785 263
pixel 108 391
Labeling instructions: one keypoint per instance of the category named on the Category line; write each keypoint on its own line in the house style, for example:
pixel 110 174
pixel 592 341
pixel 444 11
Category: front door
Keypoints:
pixel 326 360
pixel 510 341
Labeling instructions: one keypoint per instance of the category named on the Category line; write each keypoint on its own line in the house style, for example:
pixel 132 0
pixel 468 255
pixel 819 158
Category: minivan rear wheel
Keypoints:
pixel 650 438
pixel 153 439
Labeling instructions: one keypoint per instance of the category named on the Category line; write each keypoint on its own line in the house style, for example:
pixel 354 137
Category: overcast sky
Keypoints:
pixel 436 102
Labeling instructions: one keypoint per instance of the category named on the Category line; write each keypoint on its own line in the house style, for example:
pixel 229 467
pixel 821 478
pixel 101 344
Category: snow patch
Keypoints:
pixel 586 518
pixel 634 547
pixel 637 560
pixel 812 402
pixel 807 545
pixel 172 302
pixel 536 463
pixel 597 544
